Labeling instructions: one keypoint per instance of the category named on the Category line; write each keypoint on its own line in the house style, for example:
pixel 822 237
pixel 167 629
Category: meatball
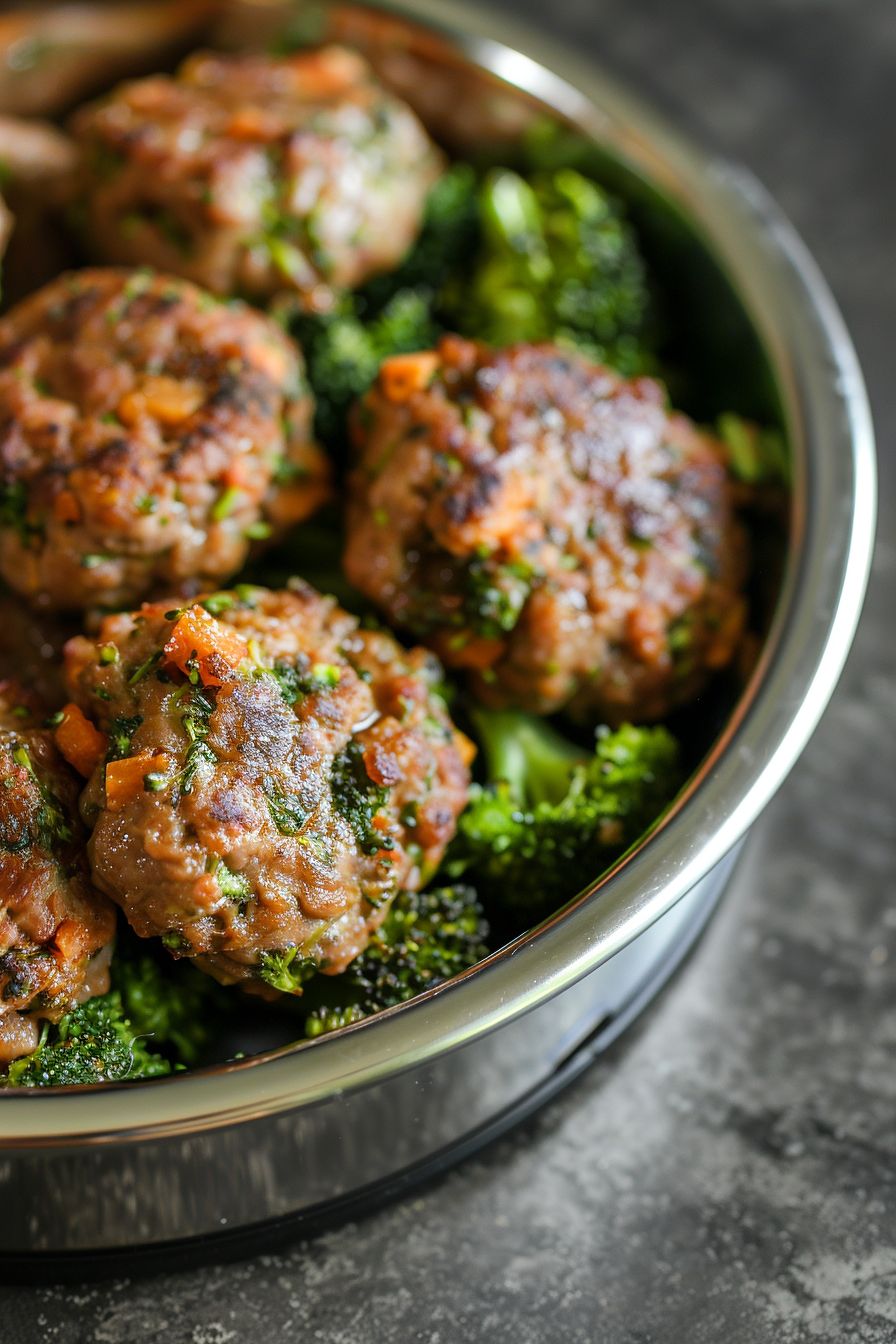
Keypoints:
pixel 547 525
pixel 148 434
pixel 55 930
pixel 255 175
pixel 279 773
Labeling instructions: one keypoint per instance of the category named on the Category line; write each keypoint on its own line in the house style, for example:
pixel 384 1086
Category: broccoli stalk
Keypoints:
pixel 425 938
pixel 553 815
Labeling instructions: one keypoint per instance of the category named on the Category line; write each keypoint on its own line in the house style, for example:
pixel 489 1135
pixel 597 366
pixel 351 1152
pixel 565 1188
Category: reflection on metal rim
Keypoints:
pixel 829 559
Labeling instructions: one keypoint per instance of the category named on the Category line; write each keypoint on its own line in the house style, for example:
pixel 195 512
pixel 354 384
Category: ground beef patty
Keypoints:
pixel 55 929
pixel 547 525
pixel 251 175
pixel 148 434
pixel 278 773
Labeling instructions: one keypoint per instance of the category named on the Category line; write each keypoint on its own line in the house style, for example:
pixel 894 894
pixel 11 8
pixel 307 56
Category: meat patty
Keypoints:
pixel 55 929
pixel 279 773
pixel 547 525
pixel 253 175
pixel 148 434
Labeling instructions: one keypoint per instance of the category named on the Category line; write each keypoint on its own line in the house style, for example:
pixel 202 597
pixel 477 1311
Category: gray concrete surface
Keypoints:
pixel 728 1174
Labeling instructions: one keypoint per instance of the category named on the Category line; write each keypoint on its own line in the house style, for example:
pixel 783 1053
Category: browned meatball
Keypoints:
pixel 148 434
pixel 547 525
pixel 282 773
pixel 55 930
pixel 253 175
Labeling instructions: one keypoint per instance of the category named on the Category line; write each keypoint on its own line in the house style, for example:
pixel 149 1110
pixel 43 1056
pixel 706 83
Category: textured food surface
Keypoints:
pixel 548 526
pixel 148 434
pixel 277 774
pixel 251 174
pixel 55 930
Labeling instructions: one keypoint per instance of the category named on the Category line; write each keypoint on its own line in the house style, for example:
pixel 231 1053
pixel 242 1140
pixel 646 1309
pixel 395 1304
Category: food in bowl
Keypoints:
pixel 459 369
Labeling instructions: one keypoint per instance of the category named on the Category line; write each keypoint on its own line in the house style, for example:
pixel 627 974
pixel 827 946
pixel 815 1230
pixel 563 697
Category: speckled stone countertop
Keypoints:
pixel 727 1173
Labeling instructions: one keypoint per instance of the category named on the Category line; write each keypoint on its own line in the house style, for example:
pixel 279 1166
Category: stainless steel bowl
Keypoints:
pixel 292 1132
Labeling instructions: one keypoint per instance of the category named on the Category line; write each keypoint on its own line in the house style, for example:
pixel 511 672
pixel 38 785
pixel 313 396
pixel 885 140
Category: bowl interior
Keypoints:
pixel 490 102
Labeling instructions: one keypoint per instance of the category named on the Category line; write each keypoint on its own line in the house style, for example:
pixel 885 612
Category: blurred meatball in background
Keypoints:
pixel 254 175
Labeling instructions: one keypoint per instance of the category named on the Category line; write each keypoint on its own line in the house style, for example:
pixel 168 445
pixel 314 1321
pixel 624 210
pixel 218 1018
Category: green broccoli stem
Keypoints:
pixel 530 756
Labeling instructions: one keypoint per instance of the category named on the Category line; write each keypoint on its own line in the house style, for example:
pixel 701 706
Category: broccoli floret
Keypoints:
pixel 156 1018
pixel 425 938
pixel 494 595
pixel 756 456
pixel 551 814
pixel 175 1007
pixel 558 262
pixel 95 1043
pixel 392 314
pixel 287 970
pixel 343 352
pixel 450 231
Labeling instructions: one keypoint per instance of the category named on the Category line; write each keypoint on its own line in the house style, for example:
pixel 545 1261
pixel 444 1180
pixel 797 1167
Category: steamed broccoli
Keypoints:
pixel 756 455
pixel 174 1006
pixel 552 814
pixel 425 938
pixel 344 352
pixel 156 1018
pixel 392 314
pixel 450 231
pixel 558 262
pixel 94 1043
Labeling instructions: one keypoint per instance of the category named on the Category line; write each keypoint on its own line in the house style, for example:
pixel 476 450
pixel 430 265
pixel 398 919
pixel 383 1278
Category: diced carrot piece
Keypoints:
pixel 466 747
pixel 254 123
pixel 80 742
pixel 215 648
pixel 236 474
pixel 67 939
pixel 66 508
pixel 125 778
pixel 476 651
pixel 403 375
pixel 168 400
pixel 322 74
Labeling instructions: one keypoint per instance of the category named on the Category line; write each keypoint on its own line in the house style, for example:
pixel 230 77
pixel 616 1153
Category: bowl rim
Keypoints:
pixel 829 557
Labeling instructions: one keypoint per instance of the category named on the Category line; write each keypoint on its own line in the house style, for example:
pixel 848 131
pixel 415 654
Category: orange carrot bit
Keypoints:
pixel 126 779
pixel 79 741
pixel 254 123
pixel 323 74
pixel 197 639
pixel 68 938
pixel 403 375
pixel 66 508
pixel 466 747
pixel 168 400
